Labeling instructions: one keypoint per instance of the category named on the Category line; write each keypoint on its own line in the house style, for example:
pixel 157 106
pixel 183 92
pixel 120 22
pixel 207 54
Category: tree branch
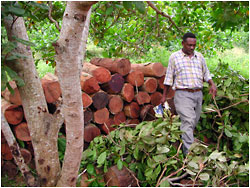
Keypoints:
pixel 163 14
pixel 50 17
pixel 15 150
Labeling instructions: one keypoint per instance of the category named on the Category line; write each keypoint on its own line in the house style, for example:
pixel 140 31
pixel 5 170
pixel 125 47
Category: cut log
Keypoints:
pixel 22 132
pixel 127 92
pixel 142 98
pixel 147 113
pixel 51 87
pixel 90 132
pixel 6 152
pixel 149 69
pixel 101 74
pixel 119 178
pixel 115 104
pixel 155 98
pixel 160 83
pixel 101 116
pixel 89 84
pixel 114 85
pixel 29 147
pixel 149 85
pixel 170 93
pixel 86 100
pixel 132 110
pixel 119 118
pixel 136 78
pixel 108 126
pixel 26 155
pixel 100 100
pixel 132 121
pixel 13 113
pixel 88 116
pixel 121 66
pixel 14 98
pixel 10 169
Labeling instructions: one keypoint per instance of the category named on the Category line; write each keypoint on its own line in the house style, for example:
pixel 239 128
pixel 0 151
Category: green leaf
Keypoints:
pixel 204 176
pixel 165 184
pixel 140 6
pixel 228 82
pixel 17 11
pixel 101 159
pixel 159 158
pixel 91 169
pixel 122 151
pixel 136 153
pixel 25 42
pixel 149 172
pixel 162 149
pixel 128 4
pixel 119 164
pixel 193 165
pixel 190 172
pixel 40 5
pixel 109 10
pixel 228 133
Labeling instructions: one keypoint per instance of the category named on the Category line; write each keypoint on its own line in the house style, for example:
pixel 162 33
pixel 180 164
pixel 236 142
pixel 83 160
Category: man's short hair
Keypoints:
pixel 188 35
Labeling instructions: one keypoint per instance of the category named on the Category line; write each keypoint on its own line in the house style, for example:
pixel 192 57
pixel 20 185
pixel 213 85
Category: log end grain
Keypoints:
pixel 136 78
pixel 147 113
pixel 22 132
pixel 155 98
pixel 150 85
pixel 90 132
pixel 101 116
pixel 142 97
pixel 132 110
pixel 119 118
pixel 115 85
pixel 86 100
pixel 115 104
pixel 100 100
pixel 108 126
pixel 127 92
pixel 102 75
pixel 52 90
pixel 89 84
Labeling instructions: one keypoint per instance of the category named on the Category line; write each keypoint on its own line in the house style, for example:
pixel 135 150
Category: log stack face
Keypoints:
pixel 114 91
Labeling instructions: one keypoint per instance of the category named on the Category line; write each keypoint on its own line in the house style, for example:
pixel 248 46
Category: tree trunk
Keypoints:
pixel 43 126
pixel 121 66
pixel 69 54
pixel 149 69
pixel 101 74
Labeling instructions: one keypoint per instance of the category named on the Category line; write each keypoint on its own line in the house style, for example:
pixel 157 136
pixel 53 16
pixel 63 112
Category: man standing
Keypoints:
pixel 186 72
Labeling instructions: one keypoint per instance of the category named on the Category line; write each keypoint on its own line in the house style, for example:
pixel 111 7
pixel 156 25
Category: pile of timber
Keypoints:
pixel 114 91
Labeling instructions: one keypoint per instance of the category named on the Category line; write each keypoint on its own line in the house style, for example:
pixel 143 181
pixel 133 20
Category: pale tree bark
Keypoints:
pixel 43 127
pixel 69 54
pixel 15 150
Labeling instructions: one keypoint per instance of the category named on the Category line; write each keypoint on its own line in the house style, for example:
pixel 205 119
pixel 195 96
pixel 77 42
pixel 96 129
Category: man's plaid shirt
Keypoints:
pixel 183 72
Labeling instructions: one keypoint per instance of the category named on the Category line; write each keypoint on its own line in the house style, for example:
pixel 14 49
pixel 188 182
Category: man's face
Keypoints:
pixel 189 46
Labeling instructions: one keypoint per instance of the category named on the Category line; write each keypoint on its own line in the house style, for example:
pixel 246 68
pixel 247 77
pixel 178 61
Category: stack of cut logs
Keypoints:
pixel 114 91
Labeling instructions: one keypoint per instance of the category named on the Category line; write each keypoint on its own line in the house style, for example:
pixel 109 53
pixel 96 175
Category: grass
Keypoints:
pixel 237 59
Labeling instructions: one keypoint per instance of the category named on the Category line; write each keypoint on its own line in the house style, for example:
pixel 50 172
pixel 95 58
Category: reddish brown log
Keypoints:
pixel 160 82
pixel 119 118
pixel 101 74
pixel 13 113
pixel 29 147
pixel 119 178
pixel 155 98
pixel 149 69
pixel 89 84
pixel 121 66
pixel 115 104
pixel 132 110
pixel 170 93
pixel 51 87
pixel 142 97
pixel 26 155
pixel 14 98
pixel 172 106
pixel 147 113
pixel 86 100
pixel 100 100
pixel 88 116
pixel 108 126
pixel 6 152
pixel 114 85
pixel 90 132
pixel 132 121
pixel 10 169
pixel 136 78
pixel 127 92
pixel 101 116
pixel 22 132
pixel 149 85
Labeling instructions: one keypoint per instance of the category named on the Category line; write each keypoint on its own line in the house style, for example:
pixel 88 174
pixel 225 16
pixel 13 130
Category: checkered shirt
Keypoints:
pixel 184 72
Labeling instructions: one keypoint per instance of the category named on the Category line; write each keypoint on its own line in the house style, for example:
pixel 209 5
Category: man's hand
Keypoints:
pixel 212 89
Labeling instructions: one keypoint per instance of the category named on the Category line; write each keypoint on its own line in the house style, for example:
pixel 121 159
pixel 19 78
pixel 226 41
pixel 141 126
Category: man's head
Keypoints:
pixel 188 43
